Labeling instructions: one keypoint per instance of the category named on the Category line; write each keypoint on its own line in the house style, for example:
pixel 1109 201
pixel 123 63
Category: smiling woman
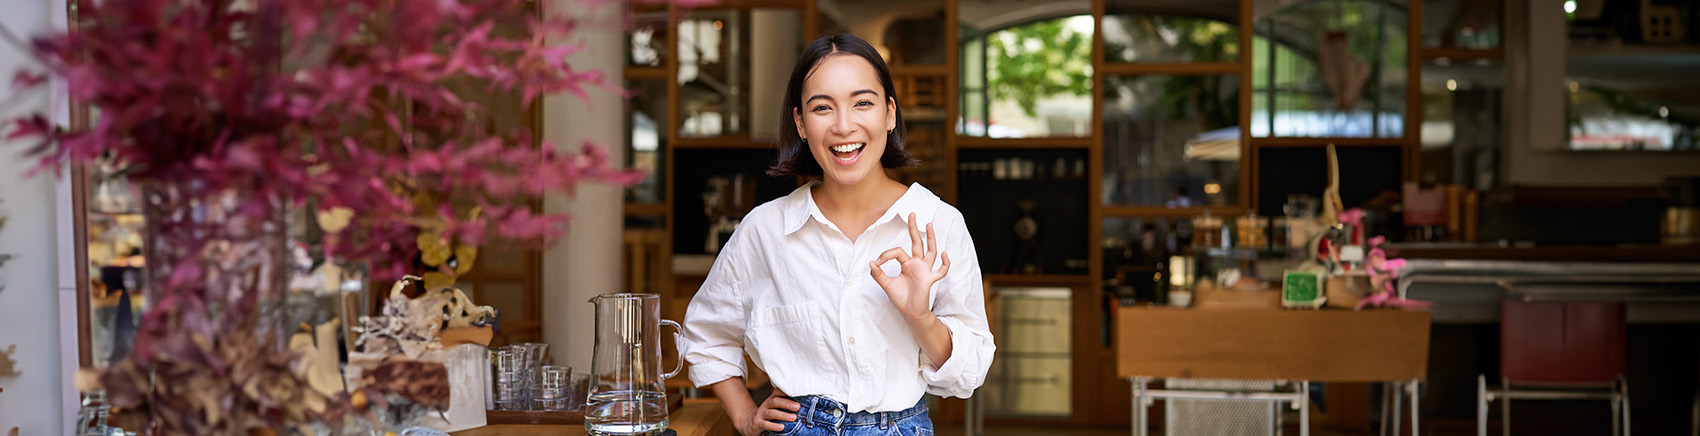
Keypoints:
pixel 845 357
pixel 840 63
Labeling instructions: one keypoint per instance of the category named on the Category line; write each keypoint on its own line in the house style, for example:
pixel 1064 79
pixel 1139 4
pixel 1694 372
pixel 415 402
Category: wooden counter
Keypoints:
pixel 1316 345
pixel 698 417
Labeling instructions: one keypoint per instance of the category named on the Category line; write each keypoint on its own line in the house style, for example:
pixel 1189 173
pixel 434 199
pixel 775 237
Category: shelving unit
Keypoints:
pixel 1145 132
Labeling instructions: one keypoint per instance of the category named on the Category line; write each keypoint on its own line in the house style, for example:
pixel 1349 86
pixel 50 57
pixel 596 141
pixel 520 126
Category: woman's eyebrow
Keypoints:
pixel 853 94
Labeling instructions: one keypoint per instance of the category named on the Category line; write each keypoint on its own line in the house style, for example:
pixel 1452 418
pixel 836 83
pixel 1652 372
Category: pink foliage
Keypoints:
pixel 1382 274
pixel 333 103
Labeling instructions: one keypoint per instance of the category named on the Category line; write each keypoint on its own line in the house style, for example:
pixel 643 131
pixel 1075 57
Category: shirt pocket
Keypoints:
pixel 793 350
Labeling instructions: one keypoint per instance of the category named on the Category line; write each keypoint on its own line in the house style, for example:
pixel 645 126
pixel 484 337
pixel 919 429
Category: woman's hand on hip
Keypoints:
pixel 908 291
pixel 776 408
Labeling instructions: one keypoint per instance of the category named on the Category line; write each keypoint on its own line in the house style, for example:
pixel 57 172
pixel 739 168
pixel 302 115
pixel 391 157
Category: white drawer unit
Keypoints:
pixel 1032 374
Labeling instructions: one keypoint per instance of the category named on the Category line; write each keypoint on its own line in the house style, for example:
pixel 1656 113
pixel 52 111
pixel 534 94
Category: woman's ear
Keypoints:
pixel 890 113
pixel 797 119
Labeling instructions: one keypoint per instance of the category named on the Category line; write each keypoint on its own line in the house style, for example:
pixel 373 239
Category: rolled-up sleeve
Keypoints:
pixel 715 322
pixel 960 303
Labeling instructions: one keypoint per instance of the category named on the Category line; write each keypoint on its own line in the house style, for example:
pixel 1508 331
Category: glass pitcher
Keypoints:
pixel 627 395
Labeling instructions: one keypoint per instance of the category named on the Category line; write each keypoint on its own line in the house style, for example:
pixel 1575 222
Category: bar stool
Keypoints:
pixel 1559 351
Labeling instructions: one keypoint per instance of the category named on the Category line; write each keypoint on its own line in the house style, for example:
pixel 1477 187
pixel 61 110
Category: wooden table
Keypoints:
pixel 698 417
pixel 1270 344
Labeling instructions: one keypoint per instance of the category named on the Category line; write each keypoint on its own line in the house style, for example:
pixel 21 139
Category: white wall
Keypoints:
pixel 30 306
pixel 588 261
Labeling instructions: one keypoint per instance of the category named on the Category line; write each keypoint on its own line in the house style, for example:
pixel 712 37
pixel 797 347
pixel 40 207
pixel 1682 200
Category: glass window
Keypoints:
pixel 1179 31
pixel 1464 24
pixel 1462 123
pixel 646 112
pixel 721 52
pixel 1628 79
pixel 915 38
pixel 1171 141
pixel 646 42
pixel 711 71
pixel 1330 69
pixel 1028 80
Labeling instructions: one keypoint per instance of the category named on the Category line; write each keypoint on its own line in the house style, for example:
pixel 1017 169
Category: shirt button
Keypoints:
pixel 848 282
pixel 852 340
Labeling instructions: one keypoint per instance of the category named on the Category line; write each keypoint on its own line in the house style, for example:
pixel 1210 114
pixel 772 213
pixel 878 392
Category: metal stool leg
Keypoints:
pixel 1481 405
pixel 1616 413
pixel 971 421
pixel 1386 406
pixel 1415 390
pixel 1304 408
pixel 1625 383
pixel 1140 426
pixel 1505 405
pixel 1397 406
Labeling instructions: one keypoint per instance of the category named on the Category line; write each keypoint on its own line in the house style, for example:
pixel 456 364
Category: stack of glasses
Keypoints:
pixel 552 388
pixel 515 368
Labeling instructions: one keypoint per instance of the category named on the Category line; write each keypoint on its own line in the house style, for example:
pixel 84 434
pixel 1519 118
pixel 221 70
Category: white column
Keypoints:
pixel 34 401
pixel 587 262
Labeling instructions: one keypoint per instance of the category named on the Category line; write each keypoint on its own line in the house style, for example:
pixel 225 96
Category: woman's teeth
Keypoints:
pixel 846 148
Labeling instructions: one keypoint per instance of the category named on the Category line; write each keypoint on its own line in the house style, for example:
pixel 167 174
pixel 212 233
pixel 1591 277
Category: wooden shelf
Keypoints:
pixel 979 143
pixel 1069 280
pixel 645 73
pixel 1632 50
pixel 643 209
pixel 747 4
pixel 920 70
pixel 1120 211
pixel 1172 69
pixel 1461 53
pixel 1289 141
pixel 740 142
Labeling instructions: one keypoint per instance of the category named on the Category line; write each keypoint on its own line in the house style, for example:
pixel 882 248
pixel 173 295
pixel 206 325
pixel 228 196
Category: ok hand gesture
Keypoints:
pixel 908 290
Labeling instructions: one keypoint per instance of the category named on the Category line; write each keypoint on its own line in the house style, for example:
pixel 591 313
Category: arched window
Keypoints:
pixel 1032 79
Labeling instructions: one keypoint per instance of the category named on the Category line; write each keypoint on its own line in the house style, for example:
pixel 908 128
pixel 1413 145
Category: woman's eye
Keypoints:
pixel 864 103
pixel 820 108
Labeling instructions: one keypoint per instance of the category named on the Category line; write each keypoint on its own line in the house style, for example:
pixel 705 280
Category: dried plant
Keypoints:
pixel 345 106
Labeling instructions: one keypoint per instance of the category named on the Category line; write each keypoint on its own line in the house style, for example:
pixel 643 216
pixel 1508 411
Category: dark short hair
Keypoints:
pixel 794 156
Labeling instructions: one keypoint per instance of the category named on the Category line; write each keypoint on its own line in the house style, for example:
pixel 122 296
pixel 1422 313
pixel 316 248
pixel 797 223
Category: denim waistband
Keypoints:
pixel 813 410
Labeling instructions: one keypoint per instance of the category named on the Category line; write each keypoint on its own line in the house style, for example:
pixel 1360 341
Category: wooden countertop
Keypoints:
pixel 1316 345
pixel 698 417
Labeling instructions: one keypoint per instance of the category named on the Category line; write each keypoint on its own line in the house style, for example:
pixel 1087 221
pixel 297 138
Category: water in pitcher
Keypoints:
pixel 624 413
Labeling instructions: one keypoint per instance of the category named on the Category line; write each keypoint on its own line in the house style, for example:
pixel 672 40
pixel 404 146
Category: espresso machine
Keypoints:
pixel 725 200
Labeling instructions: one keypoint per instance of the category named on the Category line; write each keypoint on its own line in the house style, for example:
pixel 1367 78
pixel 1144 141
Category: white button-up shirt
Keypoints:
pixel 795 293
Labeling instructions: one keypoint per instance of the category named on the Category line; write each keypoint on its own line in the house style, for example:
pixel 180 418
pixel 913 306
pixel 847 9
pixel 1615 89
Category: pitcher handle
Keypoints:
pixel 678 341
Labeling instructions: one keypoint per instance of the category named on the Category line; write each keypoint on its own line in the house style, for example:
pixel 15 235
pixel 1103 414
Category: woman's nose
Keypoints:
pixel 841 124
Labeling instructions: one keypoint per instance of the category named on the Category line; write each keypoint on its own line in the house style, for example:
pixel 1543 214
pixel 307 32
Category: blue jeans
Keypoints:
pixel 820 416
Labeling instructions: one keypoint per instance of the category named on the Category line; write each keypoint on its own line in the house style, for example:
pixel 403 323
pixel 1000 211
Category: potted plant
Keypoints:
pixel 229 113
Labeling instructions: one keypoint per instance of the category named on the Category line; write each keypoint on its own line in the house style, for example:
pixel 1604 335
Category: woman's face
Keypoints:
pixel 844 117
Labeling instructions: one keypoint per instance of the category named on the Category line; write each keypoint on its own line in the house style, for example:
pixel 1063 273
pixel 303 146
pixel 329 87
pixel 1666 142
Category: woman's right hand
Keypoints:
pixel 776 408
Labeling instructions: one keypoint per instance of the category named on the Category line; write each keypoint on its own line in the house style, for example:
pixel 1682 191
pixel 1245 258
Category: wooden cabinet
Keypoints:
pixel 1076 117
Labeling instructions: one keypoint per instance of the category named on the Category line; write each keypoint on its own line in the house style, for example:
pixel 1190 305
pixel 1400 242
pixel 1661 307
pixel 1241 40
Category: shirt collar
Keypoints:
pixel 800 206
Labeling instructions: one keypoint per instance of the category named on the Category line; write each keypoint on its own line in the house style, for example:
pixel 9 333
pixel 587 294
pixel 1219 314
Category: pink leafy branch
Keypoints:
pixel 343 103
